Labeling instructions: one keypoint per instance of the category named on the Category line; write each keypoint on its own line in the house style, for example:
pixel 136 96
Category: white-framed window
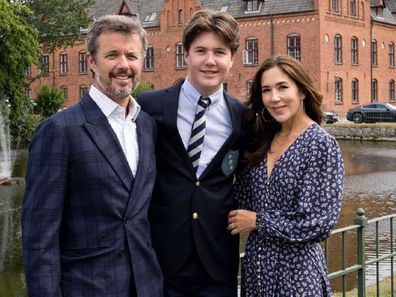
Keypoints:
pixel 180 17
pixel 253 5
pixel 374 90
pixel 352 8
pixel 392 91
pixel 374 54
pixel 335 6
pixel 63 63
pixel 338 49
pixel 28 71
pixel 82 62
pixel 180 62
pixel 83 91
pixel 65 92
pixel 391 54
pixel 379 11
pixel 294 46
pixel 354 51
pixel 44 65
pixel 355 90
pixel 338 90
pixel 29 93
pixel 149 59
pixel 251 52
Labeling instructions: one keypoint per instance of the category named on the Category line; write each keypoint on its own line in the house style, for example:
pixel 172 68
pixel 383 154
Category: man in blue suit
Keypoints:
pixel 90 177
pixel 199 138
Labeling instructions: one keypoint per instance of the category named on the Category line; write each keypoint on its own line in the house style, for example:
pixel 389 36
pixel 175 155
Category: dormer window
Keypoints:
pixel 150 17
pixel 379 11
pixel 253 5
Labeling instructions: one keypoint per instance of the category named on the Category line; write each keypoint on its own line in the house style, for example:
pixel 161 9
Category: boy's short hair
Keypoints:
pixel 221 23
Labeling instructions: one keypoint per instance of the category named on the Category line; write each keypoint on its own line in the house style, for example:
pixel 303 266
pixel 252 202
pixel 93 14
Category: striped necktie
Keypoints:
pixel 198 132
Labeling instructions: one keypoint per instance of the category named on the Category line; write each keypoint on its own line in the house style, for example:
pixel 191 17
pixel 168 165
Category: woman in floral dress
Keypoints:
pixel 290 191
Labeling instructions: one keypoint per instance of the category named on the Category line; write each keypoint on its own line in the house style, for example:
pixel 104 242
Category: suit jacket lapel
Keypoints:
pixel 106 140
pixel 144 136
pixel 170 104
pixel 235 111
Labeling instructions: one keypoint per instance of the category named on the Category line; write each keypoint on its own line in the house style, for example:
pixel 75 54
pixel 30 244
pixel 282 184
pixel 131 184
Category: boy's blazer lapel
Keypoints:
pixel 235 112
pixel 106 140
pixel 170 104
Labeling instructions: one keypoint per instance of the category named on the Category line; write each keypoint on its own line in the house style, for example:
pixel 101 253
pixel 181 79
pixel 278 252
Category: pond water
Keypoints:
pixel 370 184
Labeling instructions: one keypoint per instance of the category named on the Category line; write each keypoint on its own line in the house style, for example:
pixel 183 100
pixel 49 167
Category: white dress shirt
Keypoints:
pixel 218 122
pixel 123 127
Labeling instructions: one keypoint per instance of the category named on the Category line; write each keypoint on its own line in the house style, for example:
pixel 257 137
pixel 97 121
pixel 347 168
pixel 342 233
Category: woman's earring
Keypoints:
pixel 263 117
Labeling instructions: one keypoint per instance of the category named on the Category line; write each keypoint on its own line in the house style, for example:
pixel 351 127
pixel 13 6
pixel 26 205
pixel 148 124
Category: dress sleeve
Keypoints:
pixel 318 200
pixel 242 189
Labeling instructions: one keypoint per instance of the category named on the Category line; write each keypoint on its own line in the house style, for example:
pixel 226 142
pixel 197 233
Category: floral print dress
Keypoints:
pixel 297 207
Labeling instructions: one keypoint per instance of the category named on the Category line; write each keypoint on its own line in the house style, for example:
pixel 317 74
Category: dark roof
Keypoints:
pixel 375 3
pixel 269 7
pixel 391 4
pixel 102 7
pixel 386 18
pixel 149 11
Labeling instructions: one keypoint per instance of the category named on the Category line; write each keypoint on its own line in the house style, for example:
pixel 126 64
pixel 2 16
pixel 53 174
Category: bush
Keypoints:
pixel 142 87
pixel 49 101
pixel 22 121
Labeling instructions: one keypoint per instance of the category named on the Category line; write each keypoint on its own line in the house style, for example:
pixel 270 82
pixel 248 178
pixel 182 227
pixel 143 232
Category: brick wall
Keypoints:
pixel 317 30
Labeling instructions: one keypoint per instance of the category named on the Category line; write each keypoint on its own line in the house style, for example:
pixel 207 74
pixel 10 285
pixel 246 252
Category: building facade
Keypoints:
pixel 348 46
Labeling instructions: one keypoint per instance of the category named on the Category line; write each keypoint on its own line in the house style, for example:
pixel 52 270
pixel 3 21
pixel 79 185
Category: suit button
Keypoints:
pixel 195 216
pixel 126 222
pixel 149 244
pixel 123 253
pixel 197 183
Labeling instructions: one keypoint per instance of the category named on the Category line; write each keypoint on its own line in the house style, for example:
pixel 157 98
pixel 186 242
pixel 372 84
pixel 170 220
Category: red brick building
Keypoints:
pixel 348 46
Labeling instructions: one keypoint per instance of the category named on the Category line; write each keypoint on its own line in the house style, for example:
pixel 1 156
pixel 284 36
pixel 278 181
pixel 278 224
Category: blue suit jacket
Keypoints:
pixel 84 223
pixel 178 194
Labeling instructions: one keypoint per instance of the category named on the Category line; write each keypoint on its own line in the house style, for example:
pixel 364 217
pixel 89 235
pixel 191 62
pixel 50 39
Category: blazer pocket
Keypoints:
pixel 89 251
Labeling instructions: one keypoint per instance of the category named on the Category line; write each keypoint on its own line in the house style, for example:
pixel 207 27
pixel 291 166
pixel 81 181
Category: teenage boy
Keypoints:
pixel 199 132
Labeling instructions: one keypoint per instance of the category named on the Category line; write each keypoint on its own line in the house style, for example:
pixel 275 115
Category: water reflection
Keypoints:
pixel 370 184
pixel 11 271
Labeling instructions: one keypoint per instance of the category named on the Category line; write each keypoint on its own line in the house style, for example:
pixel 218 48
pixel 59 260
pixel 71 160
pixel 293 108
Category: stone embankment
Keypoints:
pixel 360 132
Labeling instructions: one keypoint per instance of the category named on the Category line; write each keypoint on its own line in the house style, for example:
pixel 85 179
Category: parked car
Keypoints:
pixel 372 113
pixel 330 117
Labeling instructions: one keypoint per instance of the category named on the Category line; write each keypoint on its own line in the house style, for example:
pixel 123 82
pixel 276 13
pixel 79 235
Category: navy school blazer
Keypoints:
pixel 187 213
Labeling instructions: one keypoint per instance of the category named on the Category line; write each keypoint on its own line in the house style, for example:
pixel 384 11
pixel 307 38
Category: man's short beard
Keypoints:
pixel 118 94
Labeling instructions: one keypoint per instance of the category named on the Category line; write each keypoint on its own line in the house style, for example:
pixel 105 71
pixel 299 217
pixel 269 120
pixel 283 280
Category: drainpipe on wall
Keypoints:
pixel 53 68
pixel 371 59
pixel 272 35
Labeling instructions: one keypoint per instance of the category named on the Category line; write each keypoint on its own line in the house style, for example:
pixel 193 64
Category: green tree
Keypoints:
pixel 19 49
pixel 58 22
pixel 49 100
